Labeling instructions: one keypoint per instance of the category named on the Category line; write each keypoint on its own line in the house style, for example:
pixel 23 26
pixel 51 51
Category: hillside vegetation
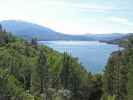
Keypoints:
pixel 29 71
pixel 118 76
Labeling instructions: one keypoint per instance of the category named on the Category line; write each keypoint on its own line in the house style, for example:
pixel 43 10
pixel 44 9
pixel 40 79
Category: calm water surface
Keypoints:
pixel 93 55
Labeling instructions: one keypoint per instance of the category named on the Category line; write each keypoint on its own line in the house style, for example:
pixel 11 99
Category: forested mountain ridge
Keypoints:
pixel 125 41
pixel 29 71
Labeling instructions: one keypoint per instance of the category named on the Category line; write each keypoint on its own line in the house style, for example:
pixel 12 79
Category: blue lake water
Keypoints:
pixel 93 55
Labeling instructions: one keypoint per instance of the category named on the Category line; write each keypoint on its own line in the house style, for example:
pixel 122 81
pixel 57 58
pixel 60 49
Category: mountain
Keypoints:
pixel 29 30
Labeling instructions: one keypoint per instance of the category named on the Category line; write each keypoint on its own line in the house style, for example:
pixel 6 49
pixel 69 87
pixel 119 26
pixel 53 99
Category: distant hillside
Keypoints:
pixel 29 30
pixel 106 37
pixel 125 41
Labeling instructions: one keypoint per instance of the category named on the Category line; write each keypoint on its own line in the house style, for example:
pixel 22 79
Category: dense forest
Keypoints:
pixel 29 71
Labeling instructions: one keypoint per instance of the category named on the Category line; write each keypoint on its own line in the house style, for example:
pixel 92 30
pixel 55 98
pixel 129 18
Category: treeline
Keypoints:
pixel 29 71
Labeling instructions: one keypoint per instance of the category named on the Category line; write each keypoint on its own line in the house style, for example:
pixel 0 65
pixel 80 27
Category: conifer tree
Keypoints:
pixel 1 28
pixel 34 41
pixel 40 76
pixel 65 71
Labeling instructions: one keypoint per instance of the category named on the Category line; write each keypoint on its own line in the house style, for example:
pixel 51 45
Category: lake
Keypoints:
pixel 93 55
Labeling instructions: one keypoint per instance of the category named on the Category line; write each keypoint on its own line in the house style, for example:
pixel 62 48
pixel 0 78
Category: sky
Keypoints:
pixel 73 16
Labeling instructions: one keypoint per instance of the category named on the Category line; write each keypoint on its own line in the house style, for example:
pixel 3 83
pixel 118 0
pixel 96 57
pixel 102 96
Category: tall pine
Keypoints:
pixel 40 76
pixel 65 71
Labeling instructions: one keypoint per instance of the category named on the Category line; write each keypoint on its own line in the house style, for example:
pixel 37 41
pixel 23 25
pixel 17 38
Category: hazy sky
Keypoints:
pixel 73 16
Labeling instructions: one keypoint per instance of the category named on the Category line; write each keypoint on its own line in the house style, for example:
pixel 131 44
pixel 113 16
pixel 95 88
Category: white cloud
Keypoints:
pixel 121 20
pixel 92 6
pixel 74 5
pixel 64 15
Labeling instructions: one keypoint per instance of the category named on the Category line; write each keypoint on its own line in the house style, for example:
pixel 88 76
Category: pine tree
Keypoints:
pixel 1 30
pixel 40 77
pixel 65 71
pixel 109 78
pixel 34 41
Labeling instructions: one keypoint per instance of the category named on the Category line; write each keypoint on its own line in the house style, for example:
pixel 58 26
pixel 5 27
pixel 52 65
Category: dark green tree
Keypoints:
pixel 40 77
pixel 65 71
pixel 1 29
pixel 34 41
